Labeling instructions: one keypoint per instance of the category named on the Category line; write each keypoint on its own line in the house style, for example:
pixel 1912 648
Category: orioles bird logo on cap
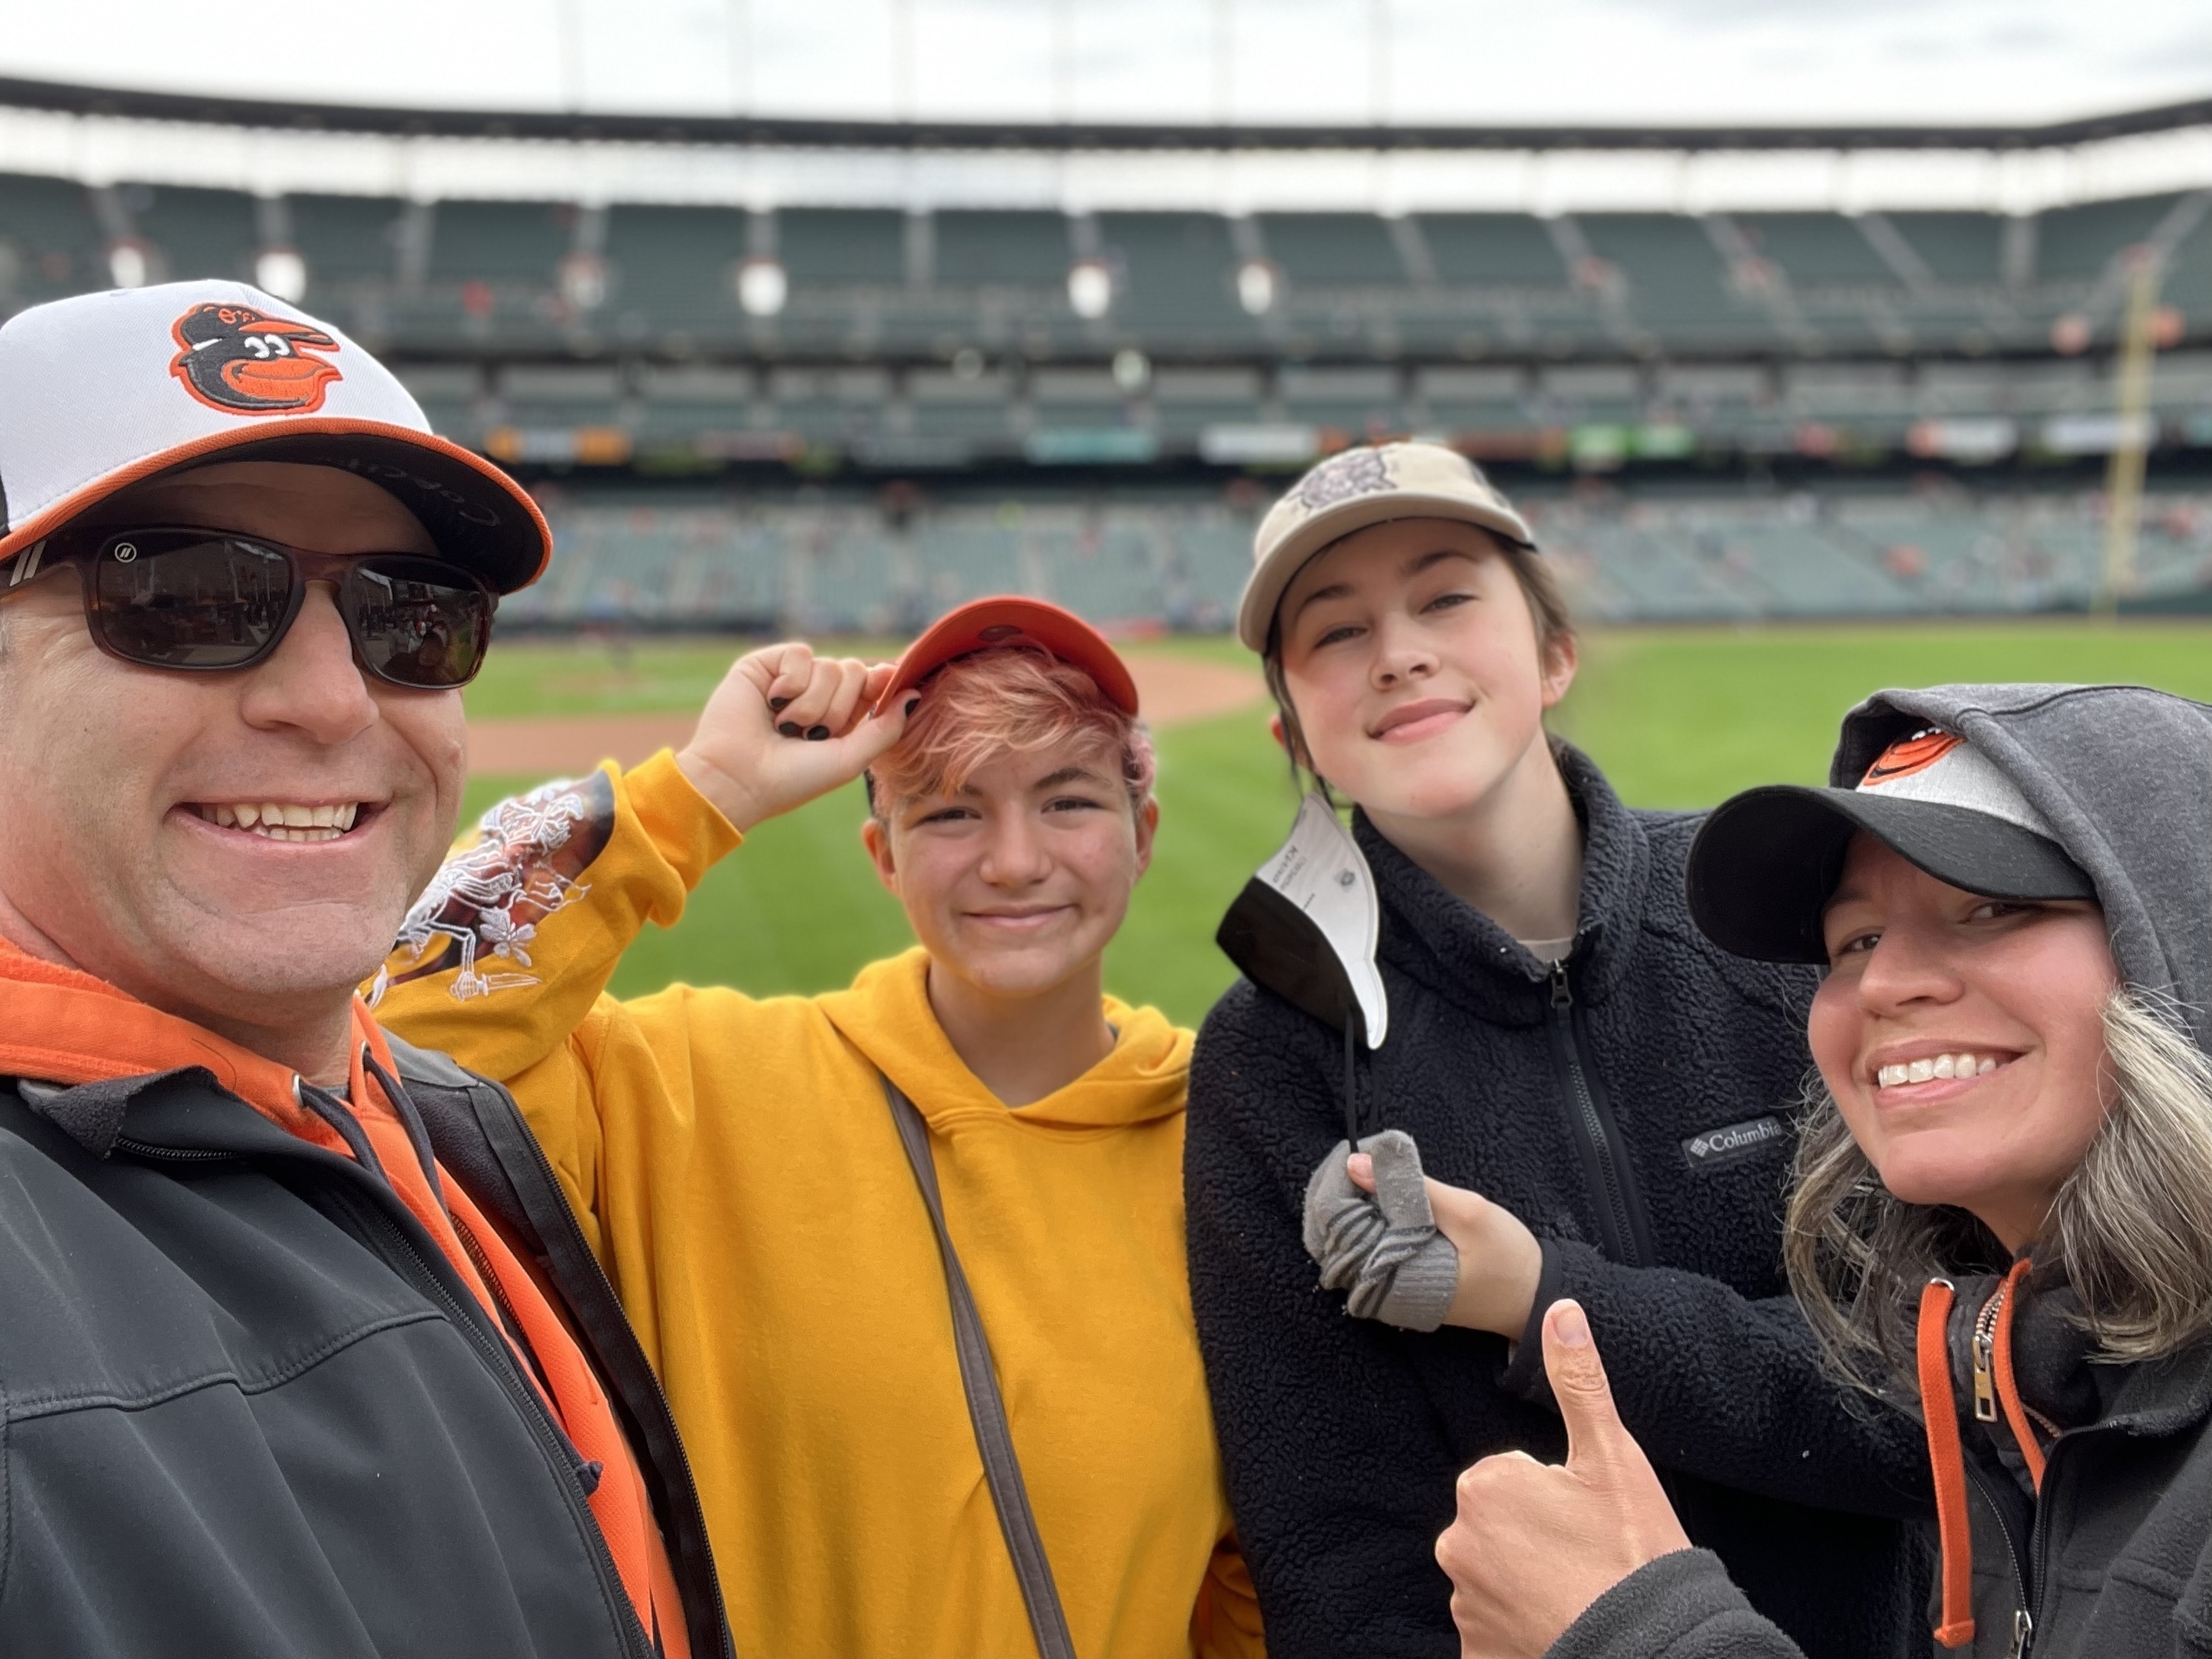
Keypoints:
pixel 1910 755
pixel 245 361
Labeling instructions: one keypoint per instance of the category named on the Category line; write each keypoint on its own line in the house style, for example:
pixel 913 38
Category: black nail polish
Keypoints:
pixel 777 705
pixel 789 728
pixel 815 733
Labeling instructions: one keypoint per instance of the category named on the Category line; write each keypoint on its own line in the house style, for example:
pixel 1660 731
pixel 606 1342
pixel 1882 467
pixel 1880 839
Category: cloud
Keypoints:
pixel 1474 61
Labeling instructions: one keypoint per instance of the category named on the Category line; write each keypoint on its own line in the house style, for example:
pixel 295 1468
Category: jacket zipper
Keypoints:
pixel 174 1154
pixel 2023 1615
pixel 1981 1346
pixel 690 1491
pixel 1984 1348
pixel 2038 1538
pixel 550 1440
pixel 1612 1173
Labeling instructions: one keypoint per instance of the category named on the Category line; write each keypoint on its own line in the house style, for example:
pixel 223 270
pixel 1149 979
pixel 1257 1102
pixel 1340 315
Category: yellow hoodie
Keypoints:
pixel 739 1174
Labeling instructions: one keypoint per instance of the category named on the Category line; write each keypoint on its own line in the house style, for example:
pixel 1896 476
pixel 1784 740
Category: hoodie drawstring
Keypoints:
pixel 1939 1407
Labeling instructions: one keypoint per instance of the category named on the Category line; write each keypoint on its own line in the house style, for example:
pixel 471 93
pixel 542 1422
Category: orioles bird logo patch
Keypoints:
pixel 1914 754
pixel 245 361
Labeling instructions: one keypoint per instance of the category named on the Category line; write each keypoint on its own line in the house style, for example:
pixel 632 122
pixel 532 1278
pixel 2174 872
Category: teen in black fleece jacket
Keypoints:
pixel 1627 1097
pixel 1342 1436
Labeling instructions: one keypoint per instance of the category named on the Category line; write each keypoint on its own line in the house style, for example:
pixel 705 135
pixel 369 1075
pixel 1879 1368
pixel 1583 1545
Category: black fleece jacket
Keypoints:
pixel 2110 1561
pixel 1634 1110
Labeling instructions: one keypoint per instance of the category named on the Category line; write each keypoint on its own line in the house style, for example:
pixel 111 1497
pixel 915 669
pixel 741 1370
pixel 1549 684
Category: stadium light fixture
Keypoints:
pixel 762 286
pixel 584 281
pixel 126 265
pixel 280 271
pixel 1133 370
pixel 1090 289
pixel 1256 287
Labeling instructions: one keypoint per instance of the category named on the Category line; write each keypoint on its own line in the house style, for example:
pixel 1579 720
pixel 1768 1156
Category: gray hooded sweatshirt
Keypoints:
pixel 2112 1557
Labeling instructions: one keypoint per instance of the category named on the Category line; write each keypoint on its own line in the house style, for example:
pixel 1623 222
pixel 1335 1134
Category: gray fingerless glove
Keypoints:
pixel 1382 1248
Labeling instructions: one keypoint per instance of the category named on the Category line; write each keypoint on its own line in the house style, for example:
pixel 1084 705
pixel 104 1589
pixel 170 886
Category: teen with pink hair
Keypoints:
pixel 908 1256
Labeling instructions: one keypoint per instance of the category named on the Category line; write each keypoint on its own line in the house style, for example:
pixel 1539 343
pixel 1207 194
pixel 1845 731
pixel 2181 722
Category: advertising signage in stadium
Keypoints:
pixel 2094 434
pixel 1259 445
pixel 1977 440
pixel 1112 446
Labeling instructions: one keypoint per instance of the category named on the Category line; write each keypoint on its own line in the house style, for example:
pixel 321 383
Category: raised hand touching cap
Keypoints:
pixel 741 756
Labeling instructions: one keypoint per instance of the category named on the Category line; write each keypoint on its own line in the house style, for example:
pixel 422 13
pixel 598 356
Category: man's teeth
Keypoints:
pixel 274 821
pixel 1936 1065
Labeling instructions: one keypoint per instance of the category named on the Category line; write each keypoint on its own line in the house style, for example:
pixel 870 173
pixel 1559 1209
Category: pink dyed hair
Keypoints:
pixel 1012 701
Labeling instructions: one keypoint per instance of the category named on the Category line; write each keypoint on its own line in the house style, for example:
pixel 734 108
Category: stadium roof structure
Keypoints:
pixel 795 132
pixel 98 136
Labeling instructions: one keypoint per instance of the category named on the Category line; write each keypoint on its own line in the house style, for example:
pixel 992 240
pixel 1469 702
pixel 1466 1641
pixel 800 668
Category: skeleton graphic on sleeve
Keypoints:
pixel 486 902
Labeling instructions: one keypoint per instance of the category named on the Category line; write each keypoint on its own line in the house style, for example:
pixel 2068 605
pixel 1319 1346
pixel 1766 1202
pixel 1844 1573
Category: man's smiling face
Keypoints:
pixel 123 848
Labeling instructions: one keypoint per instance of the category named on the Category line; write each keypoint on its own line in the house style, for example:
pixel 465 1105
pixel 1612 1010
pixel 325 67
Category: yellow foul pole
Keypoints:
pixel 2123 479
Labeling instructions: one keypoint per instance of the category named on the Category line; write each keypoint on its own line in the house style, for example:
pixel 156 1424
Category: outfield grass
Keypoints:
pixel 1677 718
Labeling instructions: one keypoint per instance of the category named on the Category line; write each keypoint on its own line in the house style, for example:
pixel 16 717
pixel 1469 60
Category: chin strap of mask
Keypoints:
pixel 1351 1028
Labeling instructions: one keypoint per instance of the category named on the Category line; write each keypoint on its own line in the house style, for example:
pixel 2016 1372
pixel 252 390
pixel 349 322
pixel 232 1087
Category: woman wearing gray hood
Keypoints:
pixel 2002 1218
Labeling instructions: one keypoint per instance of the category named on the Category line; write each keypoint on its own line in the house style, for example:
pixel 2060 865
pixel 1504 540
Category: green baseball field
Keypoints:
pixel 1677 718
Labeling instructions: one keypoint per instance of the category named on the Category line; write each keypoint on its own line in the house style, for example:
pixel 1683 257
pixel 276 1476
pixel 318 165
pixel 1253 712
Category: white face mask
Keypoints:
pixel 1310 915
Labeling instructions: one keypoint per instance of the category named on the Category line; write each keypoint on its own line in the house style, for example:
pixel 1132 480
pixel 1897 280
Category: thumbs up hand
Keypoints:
pixel 1535 1544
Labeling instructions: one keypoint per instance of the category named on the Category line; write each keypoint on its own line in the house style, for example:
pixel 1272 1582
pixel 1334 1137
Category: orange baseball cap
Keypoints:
pixel 1008 619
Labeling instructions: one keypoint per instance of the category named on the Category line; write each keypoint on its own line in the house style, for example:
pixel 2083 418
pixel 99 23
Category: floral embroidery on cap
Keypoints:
pixel 1354 472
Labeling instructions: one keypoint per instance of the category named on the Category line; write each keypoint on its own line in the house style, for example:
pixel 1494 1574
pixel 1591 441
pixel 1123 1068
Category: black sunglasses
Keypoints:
pixel 209 601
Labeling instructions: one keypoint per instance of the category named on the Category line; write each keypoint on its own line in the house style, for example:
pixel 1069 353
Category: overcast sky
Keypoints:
pixel 1506 60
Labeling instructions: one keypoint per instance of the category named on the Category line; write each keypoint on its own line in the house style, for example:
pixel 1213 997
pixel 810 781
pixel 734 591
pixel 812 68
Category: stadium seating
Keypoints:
pixel 352 244
pixel 504 276
pixel 199 233
pixel 53 242
pixel 1178 280
pixel 672 274
pixel 1001 249
pixel 557 333
pixel 1333 250
pixel 837 560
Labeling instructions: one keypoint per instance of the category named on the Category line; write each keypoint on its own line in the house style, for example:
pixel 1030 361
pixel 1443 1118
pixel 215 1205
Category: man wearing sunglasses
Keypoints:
pixel 301 1349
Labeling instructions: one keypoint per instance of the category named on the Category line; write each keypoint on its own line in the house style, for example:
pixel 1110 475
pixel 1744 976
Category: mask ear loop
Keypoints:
pixel 1351 1034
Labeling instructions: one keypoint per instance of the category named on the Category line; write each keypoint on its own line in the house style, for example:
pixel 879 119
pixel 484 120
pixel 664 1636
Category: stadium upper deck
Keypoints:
pixel 676 335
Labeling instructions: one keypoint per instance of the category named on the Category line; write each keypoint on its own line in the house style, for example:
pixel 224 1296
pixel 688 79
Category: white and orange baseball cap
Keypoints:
pixel 1766 862
pixel 104 391
pixel 1352 490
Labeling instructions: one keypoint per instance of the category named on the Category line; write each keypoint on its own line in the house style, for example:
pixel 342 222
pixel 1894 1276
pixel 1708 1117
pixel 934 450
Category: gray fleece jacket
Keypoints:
pixel 2113 1556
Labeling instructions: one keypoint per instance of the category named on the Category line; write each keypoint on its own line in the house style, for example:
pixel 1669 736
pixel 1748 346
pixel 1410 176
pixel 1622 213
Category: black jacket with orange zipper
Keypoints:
pixel 2076 1500
pixel 253 1403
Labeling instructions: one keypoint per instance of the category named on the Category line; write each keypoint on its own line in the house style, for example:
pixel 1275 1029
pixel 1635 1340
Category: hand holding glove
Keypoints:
pixel 1380 1244
pixel 1417 1253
